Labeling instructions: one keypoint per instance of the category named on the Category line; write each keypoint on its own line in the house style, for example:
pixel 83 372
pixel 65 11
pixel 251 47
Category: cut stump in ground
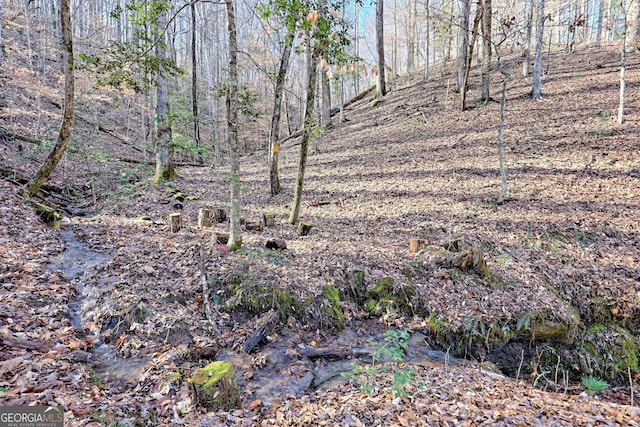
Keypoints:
pixel 205 217
pixel 220 215
pixel 253 225
pixel 215 388
pixel 222 238
pixel 304 228
pixel 175 222
pixel 416 245
pixel 269 219
pixel 276 244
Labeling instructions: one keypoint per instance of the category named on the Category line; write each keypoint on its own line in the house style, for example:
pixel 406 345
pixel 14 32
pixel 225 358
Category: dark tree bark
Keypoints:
pixel 486 49
pixel 536 92
pixel 194 84
pixel 526 64
pixel 52 160
pixel 463 44
pixel 306 135
pixel 274 131
pixel 381 88
pixel 235 232
pixel 165 170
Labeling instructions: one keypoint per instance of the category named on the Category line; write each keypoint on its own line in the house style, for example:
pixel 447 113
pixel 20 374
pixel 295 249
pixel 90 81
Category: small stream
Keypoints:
pixel 78 263
pixel 282 372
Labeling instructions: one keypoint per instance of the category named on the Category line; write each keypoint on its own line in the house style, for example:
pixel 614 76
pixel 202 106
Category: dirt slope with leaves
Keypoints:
pixel 562 252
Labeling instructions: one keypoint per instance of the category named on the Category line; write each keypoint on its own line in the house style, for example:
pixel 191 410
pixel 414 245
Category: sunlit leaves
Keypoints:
pixel 133 63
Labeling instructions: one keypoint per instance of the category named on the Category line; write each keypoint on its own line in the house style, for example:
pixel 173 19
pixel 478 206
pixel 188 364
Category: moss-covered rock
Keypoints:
pixel 384 297
pixel 215 388
pixel 332 310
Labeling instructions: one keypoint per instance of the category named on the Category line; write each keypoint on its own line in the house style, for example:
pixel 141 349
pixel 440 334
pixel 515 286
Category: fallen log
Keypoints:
pixel 266 324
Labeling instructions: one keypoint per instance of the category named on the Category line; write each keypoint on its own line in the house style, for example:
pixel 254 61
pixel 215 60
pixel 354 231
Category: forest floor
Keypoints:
pixel 104 314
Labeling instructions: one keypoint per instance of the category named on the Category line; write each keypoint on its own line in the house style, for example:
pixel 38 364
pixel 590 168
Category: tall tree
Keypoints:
pixel 274 129
pixel 1 31
pixel 194 84
pixel 623 67
pixel 486 48
pixel 536 92
pixel 526 64
pixel 314 47
pixel 165 170
pixel 427 41
pixel 325 83
pixel 235 233
pixel 52 160
pixel 463 41
pixel 289 14
pixel 600 22
pixel 381 89
pixel 327 41
pixel 632 13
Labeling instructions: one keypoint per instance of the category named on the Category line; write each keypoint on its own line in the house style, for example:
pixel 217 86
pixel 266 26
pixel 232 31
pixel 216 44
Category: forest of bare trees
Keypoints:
pixel 173 64
pixel 412 28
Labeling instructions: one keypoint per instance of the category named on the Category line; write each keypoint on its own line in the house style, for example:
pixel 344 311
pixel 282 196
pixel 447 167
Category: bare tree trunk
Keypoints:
pixel 469 55
pixel 1 32
pixel 194 85
pixel 165 170
pixel 274 146
pixel 526 64
pixel 306 135
pixel 600 23
pixel 631 14
pixel 52 160
pixel 536 92
pixel 235 233
pixel 381 89
pixel 463 41
pixel 411 33
pixel 503 173
pixel 325 116
pixel 623 66
pixel 486 49
pixel 427 42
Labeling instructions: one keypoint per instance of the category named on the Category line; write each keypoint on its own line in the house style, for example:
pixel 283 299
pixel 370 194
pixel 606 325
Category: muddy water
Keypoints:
pixel 77 263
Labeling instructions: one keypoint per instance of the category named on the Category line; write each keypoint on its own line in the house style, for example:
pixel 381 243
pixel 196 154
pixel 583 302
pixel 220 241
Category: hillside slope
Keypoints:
pixel 560 297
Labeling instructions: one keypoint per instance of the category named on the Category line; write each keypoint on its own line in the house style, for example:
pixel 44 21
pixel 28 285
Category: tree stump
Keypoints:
pixel 205 217
pixel 276 244
pixel 269 219
pixel 304 228
pixel 253 225
pixel 416 245
pixel 215 388
pixel 222 238
pixel 175 222
pixel 220 214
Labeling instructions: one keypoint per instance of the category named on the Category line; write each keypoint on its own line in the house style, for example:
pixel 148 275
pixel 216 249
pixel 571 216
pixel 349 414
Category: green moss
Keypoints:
pixel 357 287
pixel 215 385
pixel 333 310
pixel 608 352
pixel 211 373
pixel 628 357
pixel 385 298
pixel 370 306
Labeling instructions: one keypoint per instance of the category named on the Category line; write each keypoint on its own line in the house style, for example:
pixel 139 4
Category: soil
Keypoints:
pixel 563 246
